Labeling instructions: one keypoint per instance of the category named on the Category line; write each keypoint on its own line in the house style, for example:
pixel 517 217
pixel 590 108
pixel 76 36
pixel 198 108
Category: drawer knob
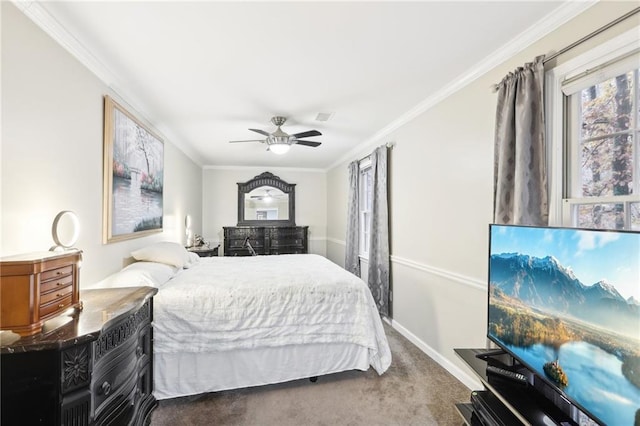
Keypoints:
pixel 59 273
pixel 106 388
pixel 61 305
pixel 59 283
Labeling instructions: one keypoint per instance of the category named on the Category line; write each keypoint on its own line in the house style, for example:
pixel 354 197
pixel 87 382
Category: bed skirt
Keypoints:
pixel 182 374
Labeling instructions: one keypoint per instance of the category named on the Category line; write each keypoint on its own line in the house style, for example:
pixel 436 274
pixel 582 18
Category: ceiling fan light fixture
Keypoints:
pixel 279 148
pixel 279 144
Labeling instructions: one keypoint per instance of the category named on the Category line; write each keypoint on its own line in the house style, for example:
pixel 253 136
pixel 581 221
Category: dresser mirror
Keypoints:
pixel 266 200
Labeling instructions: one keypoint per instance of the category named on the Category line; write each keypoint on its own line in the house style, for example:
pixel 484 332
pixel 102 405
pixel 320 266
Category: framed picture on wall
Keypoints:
pixel 133 176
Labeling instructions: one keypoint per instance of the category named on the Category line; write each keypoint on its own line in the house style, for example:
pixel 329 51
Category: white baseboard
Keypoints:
pixel 467 379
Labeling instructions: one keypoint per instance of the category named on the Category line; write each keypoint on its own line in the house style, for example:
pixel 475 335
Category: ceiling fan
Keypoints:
pixel 279 142
pixel 267 196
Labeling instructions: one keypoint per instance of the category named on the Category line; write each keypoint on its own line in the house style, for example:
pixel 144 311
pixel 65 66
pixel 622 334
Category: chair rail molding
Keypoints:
pixel 453 276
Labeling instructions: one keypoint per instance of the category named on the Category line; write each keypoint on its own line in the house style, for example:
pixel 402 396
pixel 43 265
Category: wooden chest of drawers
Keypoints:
pixel 95 369
pixel 36 287
pixel 265 240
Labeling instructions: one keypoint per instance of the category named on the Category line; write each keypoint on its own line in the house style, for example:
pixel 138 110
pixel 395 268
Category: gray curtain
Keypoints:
pixel 352 251
pixel 520 170
pixel 378 271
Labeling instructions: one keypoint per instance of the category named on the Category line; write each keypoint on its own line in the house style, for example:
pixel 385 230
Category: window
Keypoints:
pixel 366 183
pixel 602 156
pixel 593 134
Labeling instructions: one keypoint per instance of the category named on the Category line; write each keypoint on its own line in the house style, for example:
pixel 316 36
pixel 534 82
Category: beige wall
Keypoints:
pixel 441 174
pixel 220 200
pixel 441 189
pixel 51 153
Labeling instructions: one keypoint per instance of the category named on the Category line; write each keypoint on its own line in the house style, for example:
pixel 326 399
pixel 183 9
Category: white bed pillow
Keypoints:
pixel 193 259
pixel 140 274
pixel 163 252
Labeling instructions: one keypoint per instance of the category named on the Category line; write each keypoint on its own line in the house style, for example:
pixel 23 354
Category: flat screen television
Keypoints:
pixel 564 302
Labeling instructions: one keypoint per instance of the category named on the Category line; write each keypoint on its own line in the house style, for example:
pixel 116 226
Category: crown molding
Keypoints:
pixel 43 19
pixel 284 168
pixel 544 26
pixel 35 11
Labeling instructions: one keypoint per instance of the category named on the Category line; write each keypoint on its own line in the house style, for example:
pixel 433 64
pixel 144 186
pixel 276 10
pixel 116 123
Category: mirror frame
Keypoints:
pixel 267 179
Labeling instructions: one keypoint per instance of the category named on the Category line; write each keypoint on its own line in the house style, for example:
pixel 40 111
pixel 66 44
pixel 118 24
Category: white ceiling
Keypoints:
pixel 202 73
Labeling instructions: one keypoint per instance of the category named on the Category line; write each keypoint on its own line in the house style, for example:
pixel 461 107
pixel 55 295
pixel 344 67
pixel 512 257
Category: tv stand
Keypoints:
pixel 497 357
pixel 487 353
pixel 508 402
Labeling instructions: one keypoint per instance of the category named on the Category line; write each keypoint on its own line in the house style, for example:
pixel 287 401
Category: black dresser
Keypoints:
pixel 265 240
pixel 94 367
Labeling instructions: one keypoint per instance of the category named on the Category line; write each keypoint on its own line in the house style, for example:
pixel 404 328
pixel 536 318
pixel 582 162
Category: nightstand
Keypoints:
pixel 93 367
pixel 204 251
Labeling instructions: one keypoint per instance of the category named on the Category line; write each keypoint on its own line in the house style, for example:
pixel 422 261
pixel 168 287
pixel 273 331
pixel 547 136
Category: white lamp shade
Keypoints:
pixel 279 148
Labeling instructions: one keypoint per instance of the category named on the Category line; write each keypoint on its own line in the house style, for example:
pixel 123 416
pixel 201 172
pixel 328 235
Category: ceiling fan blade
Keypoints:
pixel 308 143
pixel 262 132
pixel 249 140
pixel 307 134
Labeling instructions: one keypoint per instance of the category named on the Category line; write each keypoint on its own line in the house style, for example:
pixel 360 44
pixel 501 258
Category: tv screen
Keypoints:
pixel 565 303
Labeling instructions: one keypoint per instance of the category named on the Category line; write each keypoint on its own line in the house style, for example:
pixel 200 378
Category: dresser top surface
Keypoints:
pixel 101 307
pixel 38 256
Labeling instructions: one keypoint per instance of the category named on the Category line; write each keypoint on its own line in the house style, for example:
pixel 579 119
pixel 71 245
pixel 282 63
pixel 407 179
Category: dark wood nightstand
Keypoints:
pixel 204 251
pixel 93 367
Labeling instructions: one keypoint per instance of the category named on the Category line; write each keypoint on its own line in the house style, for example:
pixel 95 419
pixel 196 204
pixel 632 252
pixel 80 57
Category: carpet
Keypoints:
pixel 414 391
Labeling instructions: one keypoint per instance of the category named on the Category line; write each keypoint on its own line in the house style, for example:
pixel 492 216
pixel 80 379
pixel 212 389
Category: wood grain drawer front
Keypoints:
pixel 288 242
pixel 240 243
pixel 144 342
pixel 236 243
pixel 56 273
pixel 59 293
pixel 56 283
pixel 253 233
pixel 118 377
pixel 57 305
pixel 287 233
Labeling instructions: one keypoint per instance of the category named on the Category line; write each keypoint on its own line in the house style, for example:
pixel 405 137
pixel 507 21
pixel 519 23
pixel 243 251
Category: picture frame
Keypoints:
pixel 133 176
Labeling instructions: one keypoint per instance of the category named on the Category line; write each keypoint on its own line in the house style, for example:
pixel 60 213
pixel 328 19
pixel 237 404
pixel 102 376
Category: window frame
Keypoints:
pixel 365 227
pixel 557 111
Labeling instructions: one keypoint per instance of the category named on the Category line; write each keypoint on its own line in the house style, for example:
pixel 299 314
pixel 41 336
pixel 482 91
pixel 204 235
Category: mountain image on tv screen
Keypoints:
pixel 565 302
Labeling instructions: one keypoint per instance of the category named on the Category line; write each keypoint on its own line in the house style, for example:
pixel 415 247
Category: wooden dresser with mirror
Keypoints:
pixel 265 240
pixel 266 219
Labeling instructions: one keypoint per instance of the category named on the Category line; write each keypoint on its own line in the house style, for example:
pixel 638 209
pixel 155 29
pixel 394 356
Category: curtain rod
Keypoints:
pixel 389 145
pixel 593 34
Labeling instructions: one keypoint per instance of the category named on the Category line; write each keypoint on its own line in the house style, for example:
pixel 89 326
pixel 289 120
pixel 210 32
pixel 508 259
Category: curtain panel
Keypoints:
pixel 378 272
pixel 520 170
pixel 352 250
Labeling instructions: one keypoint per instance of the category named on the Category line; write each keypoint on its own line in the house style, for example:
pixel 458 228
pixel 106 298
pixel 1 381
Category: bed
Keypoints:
pixel 231 322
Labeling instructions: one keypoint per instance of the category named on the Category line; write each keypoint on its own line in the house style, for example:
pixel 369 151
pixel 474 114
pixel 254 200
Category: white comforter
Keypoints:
pixel 224 303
